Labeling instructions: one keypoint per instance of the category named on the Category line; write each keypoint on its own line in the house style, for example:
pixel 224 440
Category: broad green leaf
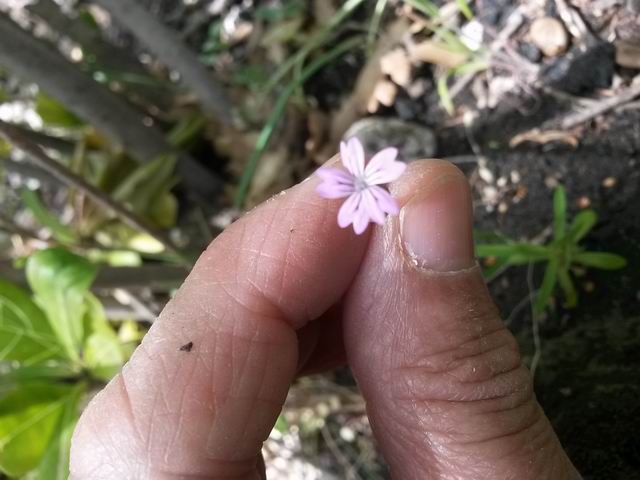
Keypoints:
pixel 60 281
pixel 546 289
pixel 565 282
pixel 59 231
pixel 55 462
pixel 48 371
pixel 25 333
pixel 54 113
pixel 29 415
pixel 602 260
pixel 559 213
pixel 103 352
pixel 582 224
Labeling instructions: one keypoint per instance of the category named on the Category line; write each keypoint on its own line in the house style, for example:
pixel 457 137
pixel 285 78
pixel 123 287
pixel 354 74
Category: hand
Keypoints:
pixel 284 290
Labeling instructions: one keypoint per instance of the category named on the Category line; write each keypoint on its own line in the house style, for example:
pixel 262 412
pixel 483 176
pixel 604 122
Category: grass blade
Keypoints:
pixel 559 213
pixel 278 110
pixel 374 26
pixel 546 289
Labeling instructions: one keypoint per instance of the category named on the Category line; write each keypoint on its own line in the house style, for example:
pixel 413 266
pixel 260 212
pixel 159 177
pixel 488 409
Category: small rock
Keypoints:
pixel 582 70
pixel 413 141
pixel 486 174
pixel 549 35
pixel 551 182
pixel 584 202
pixel 609 182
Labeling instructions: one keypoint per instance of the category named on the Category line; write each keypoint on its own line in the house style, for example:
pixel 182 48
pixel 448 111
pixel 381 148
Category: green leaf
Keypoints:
pixel 566 284
pixel 55 462
pixel 514 253
pixel 25 333
pixel 47 372
pixel 60 232
pixel 29 415
pixel 148 182
pixel 582 224
pixel 61 281
pixel 164 211
pixel 54 113
pixel 559 213
pixel 427 7
pixel 443 93
pixel 5 148
pixel 463 6
pixel 103 352
pixel 602 260
pixel 546 289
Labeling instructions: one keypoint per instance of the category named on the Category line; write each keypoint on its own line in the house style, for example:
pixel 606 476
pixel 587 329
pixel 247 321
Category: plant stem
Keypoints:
pixel 70 179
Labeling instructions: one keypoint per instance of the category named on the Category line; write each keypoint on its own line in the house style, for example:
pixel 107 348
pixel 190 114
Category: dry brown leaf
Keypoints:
pixel 544 137
pixel 397 65
pixel 436 53
pixel 356 105
pixel 272 175
pixel 385 93
pixel 627 54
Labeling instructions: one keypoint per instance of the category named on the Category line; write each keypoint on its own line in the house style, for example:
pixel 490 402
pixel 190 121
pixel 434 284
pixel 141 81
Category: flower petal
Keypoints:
pixel 373 209
pixel 334 175
pixel 384 200
pixel 334 190
pixel 387 173
pixel 347 212
pixel 352 155
pixel 361 219
pixel 380 159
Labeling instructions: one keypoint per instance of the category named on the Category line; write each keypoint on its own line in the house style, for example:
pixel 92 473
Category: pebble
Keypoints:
pixel 549 35
pixel 584 202
pixel 609 182
pixel 412 140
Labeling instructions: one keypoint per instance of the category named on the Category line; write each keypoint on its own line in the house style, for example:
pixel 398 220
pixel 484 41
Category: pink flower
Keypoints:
pixel 367 201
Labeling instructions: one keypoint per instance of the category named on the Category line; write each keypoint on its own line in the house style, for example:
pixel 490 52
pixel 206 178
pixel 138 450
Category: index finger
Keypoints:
pixel 203 390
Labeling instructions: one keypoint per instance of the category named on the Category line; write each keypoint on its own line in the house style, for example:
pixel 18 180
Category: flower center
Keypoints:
pixel 361 184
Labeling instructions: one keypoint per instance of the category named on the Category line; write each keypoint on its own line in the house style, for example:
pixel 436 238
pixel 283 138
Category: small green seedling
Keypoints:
pixel 560 255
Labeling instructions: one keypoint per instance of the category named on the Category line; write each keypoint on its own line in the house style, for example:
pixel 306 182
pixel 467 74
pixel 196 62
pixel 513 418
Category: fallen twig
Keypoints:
pixel 156 277
pixel 70 179
pixel 601 106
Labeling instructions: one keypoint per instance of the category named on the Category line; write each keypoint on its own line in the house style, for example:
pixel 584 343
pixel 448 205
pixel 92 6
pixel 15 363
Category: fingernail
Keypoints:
pixel 436 226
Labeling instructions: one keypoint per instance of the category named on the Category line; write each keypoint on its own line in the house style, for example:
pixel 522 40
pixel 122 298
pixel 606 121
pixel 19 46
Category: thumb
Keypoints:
pixel 447 393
